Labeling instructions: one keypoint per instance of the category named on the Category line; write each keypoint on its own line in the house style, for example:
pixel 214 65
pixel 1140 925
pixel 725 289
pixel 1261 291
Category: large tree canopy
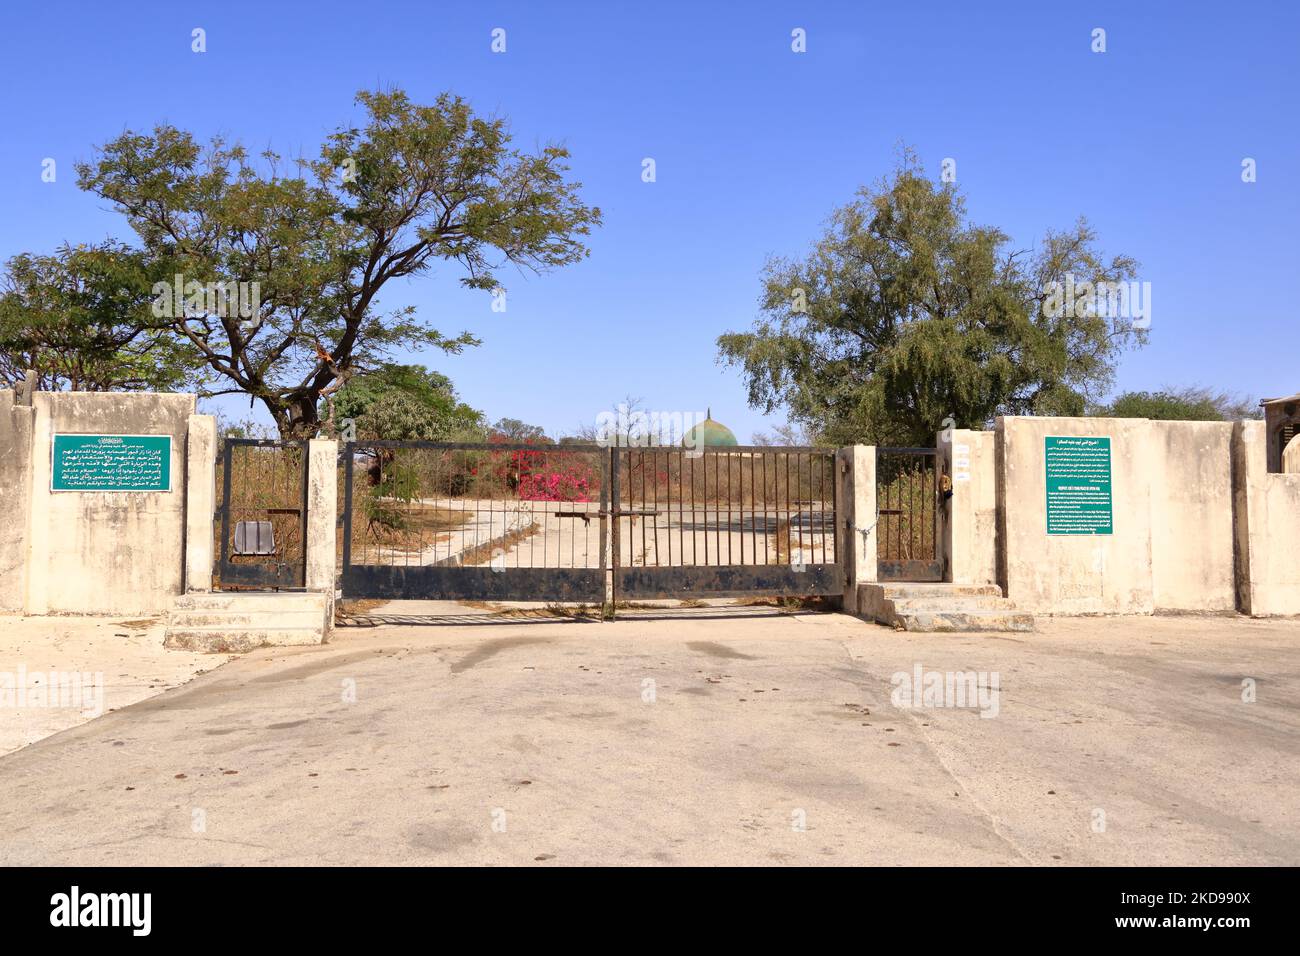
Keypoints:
pixel 905 315
pixel 404 402
pixel 81 319
pixel 413 187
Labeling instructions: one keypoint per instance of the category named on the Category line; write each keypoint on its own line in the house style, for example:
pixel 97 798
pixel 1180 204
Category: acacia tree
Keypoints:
pixel 81 319
pixel 905 315
pixel 414 187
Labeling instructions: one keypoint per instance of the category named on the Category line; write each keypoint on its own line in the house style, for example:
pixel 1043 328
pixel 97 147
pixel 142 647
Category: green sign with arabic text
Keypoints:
pixel 1078 486
pixel 111 463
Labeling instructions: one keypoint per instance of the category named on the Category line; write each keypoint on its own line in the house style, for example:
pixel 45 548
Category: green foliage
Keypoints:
pixel 384 504
pixel 81 319
pixel 406 402
pixel 1192 403
pixel 513 430
pixel 412 187
pixel 905 315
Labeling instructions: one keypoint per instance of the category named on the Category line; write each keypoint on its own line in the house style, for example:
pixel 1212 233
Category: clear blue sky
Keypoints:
pixel 754 145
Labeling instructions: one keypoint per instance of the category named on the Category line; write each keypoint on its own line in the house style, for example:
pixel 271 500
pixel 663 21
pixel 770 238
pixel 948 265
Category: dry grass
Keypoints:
pixel 788 604
pixel 354 608
pixel 781 536
pixel 552 611
pixel 556 611
pixel 423 526
pixel 482 553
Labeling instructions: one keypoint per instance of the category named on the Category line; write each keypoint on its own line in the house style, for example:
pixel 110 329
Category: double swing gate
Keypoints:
pixel 571 522
pixel 586 523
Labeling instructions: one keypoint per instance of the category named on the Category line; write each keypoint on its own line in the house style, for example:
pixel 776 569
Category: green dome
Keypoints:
pixel 709 433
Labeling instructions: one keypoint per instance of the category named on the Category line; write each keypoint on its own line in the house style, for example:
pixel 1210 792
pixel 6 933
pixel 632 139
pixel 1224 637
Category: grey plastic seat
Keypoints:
pixel 254 537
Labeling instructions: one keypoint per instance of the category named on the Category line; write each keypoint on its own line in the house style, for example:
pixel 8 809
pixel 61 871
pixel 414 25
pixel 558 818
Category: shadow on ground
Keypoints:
pixel 510 615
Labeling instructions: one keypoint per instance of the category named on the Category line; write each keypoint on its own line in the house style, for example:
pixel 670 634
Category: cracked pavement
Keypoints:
pixel 692 736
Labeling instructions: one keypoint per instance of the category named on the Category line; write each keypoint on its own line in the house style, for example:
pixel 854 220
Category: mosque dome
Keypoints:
pixel 709 433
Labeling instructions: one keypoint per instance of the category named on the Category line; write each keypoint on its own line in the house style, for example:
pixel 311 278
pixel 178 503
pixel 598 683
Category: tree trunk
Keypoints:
pixel 297 418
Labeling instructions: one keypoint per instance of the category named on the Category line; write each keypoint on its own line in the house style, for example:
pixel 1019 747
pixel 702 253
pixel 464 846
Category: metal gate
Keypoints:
pixel 724 521
pixel 487 521
pixel 907 514
pixel 262 513
pixel 576 522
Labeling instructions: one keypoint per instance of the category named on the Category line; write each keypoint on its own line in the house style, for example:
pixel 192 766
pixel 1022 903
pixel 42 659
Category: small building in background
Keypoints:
pixel 1282 423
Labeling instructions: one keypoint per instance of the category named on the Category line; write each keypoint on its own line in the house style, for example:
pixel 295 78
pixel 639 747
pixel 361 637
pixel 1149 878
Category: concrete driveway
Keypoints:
pixel 687 737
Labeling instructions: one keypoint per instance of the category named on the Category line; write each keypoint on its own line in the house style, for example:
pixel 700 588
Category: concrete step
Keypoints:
pixel 909 589
pixel 973 621
pixel 220 639
pixel 183 618
pixel 251 601
pixel 966 602
pixel 941 607
pixel 234 622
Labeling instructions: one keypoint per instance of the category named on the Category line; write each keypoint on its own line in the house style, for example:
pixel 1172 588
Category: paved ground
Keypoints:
pixel 760 740
pixel 126 654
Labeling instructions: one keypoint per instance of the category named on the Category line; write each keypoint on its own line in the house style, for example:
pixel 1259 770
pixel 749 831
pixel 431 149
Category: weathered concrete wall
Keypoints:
pixel 108 552
pixel 971 537
pixel 1267 507
pixel 1075 574
pixel 322 511
pixel 200 501
pixel 1191 516
pixel 15 498
pixel 1188 499
pixel 855 473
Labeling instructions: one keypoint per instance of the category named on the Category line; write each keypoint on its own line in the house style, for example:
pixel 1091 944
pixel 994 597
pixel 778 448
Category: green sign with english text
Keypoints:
pixel 1078 486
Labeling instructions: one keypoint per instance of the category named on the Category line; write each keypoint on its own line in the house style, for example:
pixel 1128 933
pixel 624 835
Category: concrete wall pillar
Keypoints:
pixel 1266 525
pixel 322 514
pixel 856 474
pixel 200 501
pixel 16 423
pixel 969 530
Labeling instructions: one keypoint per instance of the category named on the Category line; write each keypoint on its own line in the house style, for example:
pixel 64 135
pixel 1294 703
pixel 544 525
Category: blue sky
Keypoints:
pixel 754 146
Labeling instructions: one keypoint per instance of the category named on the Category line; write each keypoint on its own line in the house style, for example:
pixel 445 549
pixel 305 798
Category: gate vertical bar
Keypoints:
pixel 349 458
pixel 615 544
pixel 228 451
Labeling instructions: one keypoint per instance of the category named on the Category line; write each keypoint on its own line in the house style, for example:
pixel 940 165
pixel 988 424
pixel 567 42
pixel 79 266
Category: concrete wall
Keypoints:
pixel 855 474
pixel 200 501
pixel 322 513
pixel 1191 516
pixel 1075 574
pixel 1267 512
pixel 969 534
pixel 15 495
pixel 1189 501
pixel 106 552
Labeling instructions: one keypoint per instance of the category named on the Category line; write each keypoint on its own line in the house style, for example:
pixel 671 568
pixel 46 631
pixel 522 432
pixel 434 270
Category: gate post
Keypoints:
pixel 200 500
pixel 322 514
pixel 856 477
